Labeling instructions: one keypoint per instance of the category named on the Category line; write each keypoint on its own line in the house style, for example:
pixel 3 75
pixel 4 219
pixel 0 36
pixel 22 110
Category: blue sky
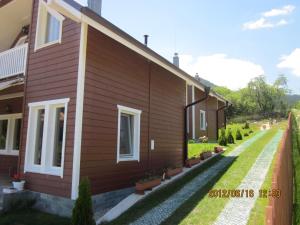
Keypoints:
pixel 228 42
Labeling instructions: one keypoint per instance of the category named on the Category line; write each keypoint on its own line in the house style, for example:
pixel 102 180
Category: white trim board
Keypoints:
pixel 79 112
pixel 193 112
pixel 10 96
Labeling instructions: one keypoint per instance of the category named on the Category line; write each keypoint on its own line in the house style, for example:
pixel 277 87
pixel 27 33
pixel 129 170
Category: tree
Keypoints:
pixel 83 210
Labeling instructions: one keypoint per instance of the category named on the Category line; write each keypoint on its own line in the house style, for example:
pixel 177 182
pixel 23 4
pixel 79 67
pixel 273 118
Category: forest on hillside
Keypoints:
pixel 259 99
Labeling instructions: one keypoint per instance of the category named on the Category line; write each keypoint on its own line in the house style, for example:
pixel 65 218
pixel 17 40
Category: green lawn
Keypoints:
pixel 201 209
pixel 156 198
pixel 195 149
pixel 31 217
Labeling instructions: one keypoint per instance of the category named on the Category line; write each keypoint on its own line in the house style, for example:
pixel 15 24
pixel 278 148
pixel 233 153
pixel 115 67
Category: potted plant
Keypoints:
pixel 18 182
pixel 192 161
pixel 205 155
pixel 172 171
pixel 218 149
pixel 147 183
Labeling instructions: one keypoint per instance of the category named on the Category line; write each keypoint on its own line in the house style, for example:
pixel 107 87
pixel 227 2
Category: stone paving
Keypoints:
pixel 237 210
pixel 164 210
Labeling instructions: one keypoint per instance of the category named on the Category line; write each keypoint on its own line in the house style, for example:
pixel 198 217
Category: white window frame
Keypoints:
pixel 136 133
pixel 46 166
pixel 11 118
pixel 203 124
pixel 41 26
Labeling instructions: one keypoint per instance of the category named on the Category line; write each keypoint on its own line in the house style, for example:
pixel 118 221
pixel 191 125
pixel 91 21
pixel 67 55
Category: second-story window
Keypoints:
pixel 53 29
pixel 49 26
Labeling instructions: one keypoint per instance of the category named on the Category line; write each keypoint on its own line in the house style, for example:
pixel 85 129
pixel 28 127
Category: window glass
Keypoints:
pixel 3 134
pixel 58 135
pixel 202 120
pixel 126 135
pixel 53 28
pixel 39 136
pixel 17 134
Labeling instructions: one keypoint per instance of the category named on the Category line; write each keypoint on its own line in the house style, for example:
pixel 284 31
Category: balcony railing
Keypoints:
pixel 13 61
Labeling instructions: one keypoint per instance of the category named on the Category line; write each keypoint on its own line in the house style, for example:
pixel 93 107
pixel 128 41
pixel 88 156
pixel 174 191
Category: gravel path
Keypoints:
pixel 237 210
pixel 161 212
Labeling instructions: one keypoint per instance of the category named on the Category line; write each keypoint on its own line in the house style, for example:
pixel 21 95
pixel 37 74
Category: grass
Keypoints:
pixel 201 209
pixel 156 198
pixel 31 217
pixel 195 149
pixel 296 164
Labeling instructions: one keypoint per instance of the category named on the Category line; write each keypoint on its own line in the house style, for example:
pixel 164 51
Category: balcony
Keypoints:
pixel 13 61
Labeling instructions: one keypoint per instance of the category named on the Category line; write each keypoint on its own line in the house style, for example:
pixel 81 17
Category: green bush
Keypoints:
pixel 222 138
pixel 191 141
pixel 238 135
pixel 246 134
pixel 230 138
pixel 250 131
pixel 247 125
pixel 83 210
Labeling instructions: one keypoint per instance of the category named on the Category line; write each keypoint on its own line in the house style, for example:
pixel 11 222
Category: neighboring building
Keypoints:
pixel 96 103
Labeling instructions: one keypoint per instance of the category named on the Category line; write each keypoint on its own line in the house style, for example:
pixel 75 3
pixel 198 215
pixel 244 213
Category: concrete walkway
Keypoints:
pixel 237 210
pixel 164 210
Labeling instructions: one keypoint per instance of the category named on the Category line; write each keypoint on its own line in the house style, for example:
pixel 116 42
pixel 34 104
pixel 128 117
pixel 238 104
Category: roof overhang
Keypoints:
pixel 10 83
pixel 14 14
pixel 79 13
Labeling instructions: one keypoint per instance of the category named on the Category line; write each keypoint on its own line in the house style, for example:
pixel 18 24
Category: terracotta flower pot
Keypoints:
pixel 218 149
pixel 140 187
pixel 205 155
pixel 172 172
pixel 190 162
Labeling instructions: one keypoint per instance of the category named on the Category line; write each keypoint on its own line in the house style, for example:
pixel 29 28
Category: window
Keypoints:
pixel 49 26
pixel 10 130
pixel 46 137
pixel 128 146
pixel 3 133
pixel 202 120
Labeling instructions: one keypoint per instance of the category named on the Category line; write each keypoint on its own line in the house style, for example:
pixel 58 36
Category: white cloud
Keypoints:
pixel 266 22
pixel 285 10
pixel 258 24
pixel 221 70
pixel 263 23
pixel 291 61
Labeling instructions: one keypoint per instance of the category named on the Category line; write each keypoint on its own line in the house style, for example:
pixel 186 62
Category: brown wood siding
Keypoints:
pixel 221 114
pixel 212 105
pixel 10 106
pixel 167 102
pixel 190 115
pixel 115 76
pixel 8 165
pixel 52 74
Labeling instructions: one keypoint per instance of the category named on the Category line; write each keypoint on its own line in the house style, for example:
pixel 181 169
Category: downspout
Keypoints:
pixel 185 147
pixel 217 118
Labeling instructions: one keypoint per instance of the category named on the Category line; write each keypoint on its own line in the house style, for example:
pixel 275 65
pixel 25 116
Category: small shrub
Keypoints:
pixel 222 138
pixel 238 135
pixel 247 125
pixel 83 210
pixel 246 134
pixel 230 138
pixel 191 141
pixel 250 131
